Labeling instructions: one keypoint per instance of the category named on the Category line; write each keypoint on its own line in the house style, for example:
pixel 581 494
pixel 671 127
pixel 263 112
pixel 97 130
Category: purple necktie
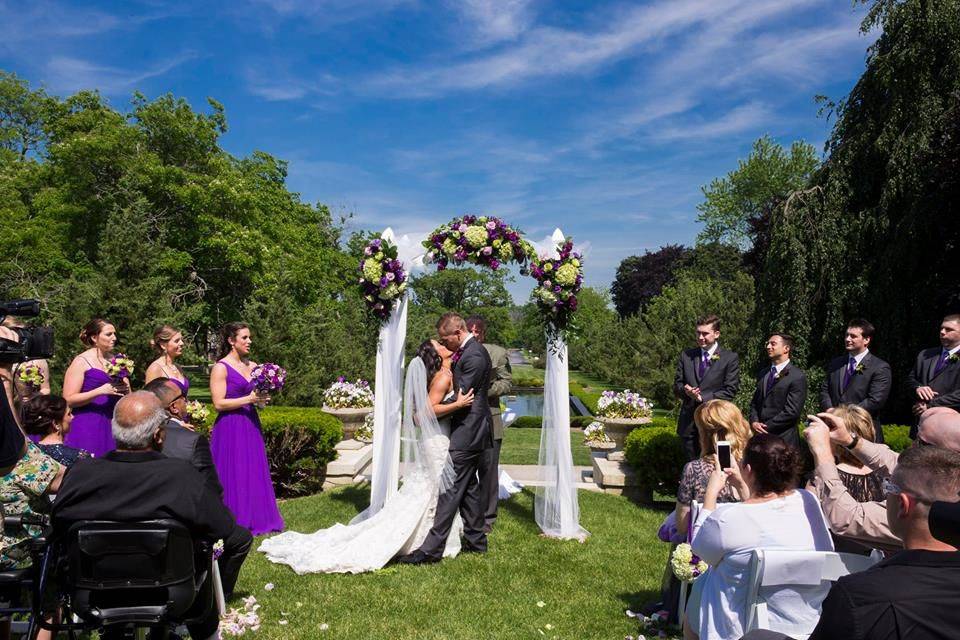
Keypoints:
pixel 771 378
pixel 703 363
pixel 848 376
pixel 941 363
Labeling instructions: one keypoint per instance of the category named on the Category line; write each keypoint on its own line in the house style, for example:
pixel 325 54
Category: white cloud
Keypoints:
pixel 278 85
pixel 746 117
pixel 495 20
pixel 68 74
pixel 549 51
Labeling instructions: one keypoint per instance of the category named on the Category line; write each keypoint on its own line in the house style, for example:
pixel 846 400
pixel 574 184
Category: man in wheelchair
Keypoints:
pixel 110 554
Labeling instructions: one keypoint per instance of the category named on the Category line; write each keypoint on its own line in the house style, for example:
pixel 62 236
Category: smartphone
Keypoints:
pixel 723 454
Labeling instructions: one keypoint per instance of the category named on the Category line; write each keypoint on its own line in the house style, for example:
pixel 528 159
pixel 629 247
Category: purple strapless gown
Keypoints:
pixel 241 461
pixel 90 428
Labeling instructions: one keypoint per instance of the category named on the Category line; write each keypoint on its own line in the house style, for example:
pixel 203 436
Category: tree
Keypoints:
pixel 640 278
pixel 736 204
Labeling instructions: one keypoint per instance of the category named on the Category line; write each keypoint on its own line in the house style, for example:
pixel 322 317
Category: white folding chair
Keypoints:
pixel 810 571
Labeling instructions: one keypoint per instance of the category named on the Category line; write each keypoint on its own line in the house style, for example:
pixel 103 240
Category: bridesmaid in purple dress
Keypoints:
pixel 168 343
pixel 236 442
pixel 90 392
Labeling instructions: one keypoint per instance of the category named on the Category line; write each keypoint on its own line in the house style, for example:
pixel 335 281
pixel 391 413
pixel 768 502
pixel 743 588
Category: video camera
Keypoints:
pixel 35 342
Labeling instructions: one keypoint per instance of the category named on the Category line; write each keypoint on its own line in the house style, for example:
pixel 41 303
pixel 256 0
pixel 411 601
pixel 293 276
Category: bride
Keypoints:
pixel 404 521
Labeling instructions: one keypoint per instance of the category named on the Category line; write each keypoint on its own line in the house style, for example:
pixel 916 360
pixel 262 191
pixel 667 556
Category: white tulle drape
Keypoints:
pixel 385 474
pixel 556 508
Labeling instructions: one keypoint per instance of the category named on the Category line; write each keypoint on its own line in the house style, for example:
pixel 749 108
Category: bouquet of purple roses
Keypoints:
pixel 558 282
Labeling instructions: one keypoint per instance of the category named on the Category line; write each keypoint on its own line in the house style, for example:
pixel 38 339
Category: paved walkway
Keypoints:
pixel 528 474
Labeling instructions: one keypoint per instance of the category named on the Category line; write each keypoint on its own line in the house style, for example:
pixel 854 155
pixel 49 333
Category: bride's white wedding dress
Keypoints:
pixel 402 524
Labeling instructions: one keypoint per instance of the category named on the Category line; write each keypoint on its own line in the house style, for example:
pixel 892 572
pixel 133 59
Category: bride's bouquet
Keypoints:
pixel 119 368
pixel 268 378
pixel 31 376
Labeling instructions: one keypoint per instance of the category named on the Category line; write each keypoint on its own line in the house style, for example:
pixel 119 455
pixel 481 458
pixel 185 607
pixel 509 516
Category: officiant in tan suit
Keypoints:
pixel 501 381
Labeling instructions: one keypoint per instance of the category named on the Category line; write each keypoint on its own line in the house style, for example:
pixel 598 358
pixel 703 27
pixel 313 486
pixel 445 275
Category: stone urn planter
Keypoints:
pixel 601 446
pixel 617 429
pixel 351 418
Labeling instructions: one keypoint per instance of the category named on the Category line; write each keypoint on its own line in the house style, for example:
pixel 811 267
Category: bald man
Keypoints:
pixel 136 482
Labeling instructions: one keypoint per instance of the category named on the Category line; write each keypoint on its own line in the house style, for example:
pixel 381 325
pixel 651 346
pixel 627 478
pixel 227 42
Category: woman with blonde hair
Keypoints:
pixel 168 344
pixel 716 420
pixel 863 483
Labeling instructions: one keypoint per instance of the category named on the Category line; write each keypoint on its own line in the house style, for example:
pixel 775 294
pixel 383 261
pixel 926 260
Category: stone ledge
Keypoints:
pixel 618 478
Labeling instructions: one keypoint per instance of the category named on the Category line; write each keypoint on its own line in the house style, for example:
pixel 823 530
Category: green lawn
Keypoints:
pixel 585 588
pixel 522 446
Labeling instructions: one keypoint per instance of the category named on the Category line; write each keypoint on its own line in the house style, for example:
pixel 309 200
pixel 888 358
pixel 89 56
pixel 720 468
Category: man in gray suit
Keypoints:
pixel 935 379
pixel 704 373
pixel 501 381
pixel 859 377
pixel 181 441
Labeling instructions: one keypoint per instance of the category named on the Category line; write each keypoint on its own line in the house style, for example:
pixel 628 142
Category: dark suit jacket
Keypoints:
pixel 783 406
pixel 911 595
pixel 471 428
pixel 140 485
pixel 720 381
pixel 869 389
pixel 184 444
pixel 946 383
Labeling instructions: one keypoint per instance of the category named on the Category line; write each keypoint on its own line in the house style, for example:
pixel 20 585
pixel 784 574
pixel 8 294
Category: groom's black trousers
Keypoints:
pixel 465 496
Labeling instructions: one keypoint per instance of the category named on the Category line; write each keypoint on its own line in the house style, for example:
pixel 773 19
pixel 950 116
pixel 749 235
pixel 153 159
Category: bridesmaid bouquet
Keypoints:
pixel 686 565
pixel 268 378
pixel 197 412
pixel 119 368
pixel 31 376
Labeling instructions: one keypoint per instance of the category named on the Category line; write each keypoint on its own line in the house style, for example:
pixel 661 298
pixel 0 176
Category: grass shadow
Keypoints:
pixel 356 495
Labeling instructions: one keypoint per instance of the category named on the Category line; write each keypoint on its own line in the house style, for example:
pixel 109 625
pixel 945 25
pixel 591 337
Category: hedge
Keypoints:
pixel 526 378
pixel 897 436
pixel 299 443
pixel 589 398
pixel 536 422
pixel 656 456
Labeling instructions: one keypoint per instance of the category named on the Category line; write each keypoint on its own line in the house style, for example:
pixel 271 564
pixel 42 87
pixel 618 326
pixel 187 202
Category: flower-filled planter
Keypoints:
pixel 621 412
pixel 350 402
pixel 595 437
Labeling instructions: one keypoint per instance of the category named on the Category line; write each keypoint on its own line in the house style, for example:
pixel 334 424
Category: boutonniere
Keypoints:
pixel 782 374
pixel 953 357
pixel 715 357
pixel 859 369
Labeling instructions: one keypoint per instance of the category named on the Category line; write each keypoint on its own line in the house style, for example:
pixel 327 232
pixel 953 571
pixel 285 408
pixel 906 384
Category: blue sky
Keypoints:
pixel 601 118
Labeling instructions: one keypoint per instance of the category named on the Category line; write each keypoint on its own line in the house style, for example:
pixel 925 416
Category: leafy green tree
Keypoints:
pixel 641 278
pixel 734 204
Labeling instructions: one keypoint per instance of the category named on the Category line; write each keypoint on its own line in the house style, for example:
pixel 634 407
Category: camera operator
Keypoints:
pixel 24 391
pixel 12 442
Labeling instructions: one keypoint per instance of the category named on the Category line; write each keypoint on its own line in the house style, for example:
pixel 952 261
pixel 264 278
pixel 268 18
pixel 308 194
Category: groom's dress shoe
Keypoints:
pixel 417 557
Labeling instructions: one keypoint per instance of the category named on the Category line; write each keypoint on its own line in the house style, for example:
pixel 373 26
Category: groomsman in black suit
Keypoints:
pixel 781 392
pixel 935 379
pixel 704 373
pixel 859 377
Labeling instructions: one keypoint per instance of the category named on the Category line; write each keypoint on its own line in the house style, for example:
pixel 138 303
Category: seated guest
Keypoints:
pixel 865 522
pixel 774 515
pixel 913 594
pixel 715 420
pixel 136 482
pixel 181 442
pixel 25 490
pixel 49 418
pixel 863 483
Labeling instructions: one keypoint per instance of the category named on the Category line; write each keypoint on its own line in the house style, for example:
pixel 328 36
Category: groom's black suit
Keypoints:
pixel 471 434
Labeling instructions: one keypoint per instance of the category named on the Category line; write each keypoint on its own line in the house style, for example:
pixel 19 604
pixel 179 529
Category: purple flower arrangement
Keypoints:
pixel 382 277
pixel 559 280
pixel 268 377
pixel 119 368
pixel 485 241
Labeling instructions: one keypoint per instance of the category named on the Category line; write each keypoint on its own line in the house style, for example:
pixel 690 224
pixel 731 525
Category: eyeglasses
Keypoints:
pixel 890 488
pixel 180 395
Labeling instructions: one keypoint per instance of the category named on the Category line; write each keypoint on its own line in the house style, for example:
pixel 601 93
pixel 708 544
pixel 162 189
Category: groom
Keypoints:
pixel 471 436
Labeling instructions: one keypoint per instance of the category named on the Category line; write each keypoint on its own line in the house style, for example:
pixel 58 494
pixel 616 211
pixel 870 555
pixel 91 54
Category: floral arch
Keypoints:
pixel 486 242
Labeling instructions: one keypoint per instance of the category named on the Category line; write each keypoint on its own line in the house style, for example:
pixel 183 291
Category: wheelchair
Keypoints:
pixel 117 578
